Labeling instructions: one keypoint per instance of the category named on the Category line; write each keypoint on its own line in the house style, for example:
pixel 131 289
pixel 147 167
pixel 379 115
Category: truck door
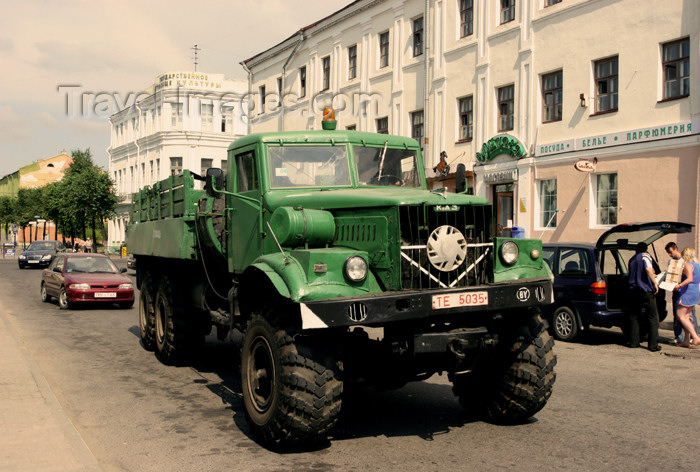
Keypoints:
pixel 245 241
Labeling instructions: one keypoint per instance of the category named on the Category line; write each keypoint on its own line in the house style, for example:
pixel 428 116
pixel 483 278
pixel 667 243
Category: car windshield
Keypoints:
pixel 387 167
pixel 42 246
pixel 308 166
pixel 90 265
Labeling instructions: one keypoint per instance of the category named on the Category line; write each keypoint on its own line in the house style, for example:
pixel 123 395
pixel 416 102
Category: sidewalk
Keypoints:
pixel 36 434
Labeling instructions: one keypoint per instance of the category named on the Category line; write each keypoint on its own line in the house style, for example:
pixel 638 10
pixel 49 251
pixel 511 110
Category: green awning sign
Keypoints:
pixel 501 144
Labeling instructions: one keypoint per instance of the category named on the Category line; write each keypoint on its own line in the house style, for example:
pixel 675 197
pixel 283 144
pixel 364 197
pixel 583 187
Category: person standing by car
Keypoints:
pixel 688 297
pixel 642 279
pixel 674 272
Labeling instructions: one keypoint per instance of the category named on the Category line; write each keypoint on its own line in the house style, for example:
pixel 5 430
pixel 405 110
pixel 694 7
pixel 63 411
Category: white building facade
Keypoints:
pixel 571 116
pixel 185 120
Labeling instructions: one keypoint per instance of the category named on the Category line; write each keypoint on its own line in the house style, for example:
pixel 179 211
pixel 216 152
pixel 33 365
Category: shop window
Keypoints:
pixel 606 199
pixel 547 190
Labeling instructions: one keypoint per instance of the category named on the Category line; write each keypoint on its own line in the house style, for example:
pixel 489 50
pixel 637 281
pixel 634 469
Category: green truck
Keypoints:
pixel 338 265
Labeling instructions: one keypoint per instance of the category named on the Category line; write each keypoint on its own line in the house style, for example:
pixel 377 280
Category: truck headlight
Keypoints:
pixel 356 268
pixel 509 252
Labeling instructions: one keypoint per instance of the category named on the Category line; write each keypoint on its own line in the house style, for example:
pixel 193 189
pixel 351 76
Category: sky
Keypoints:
pixel 53 54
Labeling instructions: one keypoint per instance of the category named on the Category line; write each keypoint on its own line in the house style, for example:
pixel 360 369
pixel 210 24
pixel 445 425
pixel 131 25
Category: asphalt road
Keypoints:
pixel 613 408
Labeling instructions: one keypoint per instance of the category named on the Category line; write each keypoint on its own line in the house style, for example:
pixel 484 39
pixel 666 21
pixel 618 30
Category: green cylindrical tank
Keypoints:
pixel 297 226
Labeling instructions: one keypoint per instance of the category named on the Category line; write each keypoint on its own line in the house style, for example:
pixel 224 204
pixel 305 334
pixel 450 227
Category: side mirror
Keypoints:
pixel 122 270
pixel 461 179
pixel 214 181
pixel 57 269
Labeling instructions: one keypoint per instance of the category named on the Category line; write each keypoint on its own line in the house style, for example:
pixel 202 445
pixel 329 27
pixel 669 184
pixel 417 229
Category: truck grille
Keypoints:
pixel 445 246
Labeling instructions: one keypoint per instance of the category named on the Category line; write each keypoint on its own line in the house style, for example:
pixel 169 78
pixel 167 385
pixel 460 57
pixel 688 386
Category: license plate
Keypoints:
pixel 33 262
pixel 105 294
pixel 456 300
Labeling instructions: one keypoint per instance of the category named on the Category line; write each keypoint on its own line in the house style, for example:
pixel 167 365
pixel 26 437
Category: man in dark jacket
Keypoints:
pixel 643 288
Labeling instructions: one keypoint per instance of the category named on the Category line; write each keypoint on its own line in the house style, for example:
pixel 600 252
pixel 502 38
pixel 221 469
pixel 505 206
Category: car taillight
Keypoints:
pixel 598 288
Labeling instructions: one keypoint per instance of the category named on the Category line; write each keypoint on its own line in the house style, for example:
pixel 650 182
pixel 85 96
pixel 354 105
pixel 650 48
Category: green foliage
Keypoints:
pixel 84 195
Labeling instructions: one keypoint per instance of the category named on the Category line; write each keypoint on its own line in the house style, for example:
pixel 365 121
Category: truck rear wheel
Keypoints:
pixel 291 389
pixel 175 335
pixel 517 382
pixel 147 319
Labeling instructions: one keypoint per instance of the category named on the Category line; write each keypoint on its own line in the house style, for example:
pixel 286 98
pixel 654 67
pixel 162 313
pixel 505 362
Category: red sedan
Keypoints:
pixel 79 278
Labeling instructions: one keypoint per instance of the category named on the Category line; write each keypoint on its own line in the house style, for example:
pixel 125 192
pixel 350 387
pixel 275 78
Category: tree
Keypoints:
pixel 8 209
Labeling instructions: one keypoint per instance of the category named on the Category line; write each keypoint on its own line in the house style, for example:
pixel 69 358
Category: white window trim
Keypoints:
pixel 593 201
pixel 538 205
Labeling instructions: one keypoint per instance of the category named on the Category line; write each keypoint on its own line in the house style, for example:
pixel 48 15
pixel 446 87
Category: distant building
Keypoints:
pixel 185 120
pixel 38 174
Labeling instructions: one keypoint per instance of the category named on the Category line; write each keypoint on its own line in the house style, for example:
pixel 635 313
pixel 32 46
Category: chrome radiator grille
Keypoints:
pixel 445 246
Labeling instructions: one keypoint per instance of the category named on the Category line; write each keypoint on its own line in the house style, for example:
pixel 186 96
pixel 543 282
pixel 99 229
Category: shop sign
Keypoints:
pixel 586 165
pixel 510 175
pixel 654 133
pixel 501 144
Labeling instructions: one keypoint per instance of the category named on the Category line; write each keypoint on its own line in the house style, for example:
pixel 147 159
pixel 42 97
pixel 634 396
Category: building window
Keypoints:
pixel 606 85
pixel 466 118
pixel 227 119
pixel 606 199
pixel 466 17
pixel 549 3
pixel 676 64
pixel 351 127
pixel 206 165
pixel 175 165
pixel 507 11
pixel 261 92
pixel 548 203
pixel 352 62
pixel 384 49
pixel 176 115
pixel 326 66
pixel 506 105
pixel 224 164
pixel 207 112
pixel 417 126
pixel 551 97
pixel 157 168
pixel 302 81
pixel 418 37
pixel 383 125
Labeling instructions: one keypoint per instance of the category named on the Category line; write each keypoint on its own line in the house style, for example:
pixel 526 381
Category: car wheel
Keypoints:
pixel 63 302
pixel 44 295
pixel 564 324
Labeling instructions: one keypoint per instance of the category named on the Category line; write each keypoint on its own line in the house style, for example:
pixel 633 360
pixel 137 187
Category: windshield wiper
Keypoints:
pixel 381 161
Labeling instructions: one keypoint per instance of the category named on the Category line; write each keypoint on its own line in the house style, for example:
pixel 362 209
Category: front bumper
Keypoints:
pixel 86 296
pixel 382 308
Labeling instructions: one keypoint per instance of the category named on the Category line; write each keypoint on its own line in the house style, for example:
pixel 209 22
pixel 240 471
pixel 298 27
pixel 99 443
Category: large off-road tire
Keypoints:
pixel 564 324
pixel 147 317
pixel 516 382
pixel 178 335
pixel 291 387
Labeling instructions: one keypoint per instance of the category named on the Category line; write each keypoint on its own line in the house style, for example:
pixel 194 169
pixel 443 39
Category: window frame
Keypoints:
pixel 544 212
pixel 352 62
pixel 302 82
pixel 379 122
pixel 466 18
pixel 418 128
pixel 262 92
pixel 597 221
pixel 509 102
pixel 549 3
pixel 681 62
pixel 384 49
pixel 418 36
pixel 325 73
pixel 467 114
pixel 610 78
pixel 507 11
pixel 556 91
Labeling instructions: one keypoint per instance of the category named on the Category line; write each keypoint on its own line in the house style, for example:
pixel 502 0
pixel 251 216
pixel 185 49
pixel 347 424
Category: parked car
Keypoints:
pixel 40 253
pixel 591 282
pixel 83 278
pixel 131 263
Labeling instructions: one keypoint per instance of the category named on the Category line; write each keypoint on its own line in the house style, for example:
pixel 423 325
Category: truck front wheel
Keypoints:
pixel 291 388
pixel 516 382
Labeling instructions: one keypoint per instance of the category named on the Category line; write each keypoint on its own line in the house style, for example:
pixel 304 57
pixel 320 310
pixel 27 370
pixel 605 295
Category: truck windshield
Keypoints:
pixel 387 167
pixel 308 166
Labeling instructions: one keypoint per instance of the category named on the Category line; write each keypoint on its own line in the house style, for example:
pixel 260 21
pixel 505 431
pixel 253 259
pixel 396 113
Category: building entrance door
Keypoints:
pixel 503 196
